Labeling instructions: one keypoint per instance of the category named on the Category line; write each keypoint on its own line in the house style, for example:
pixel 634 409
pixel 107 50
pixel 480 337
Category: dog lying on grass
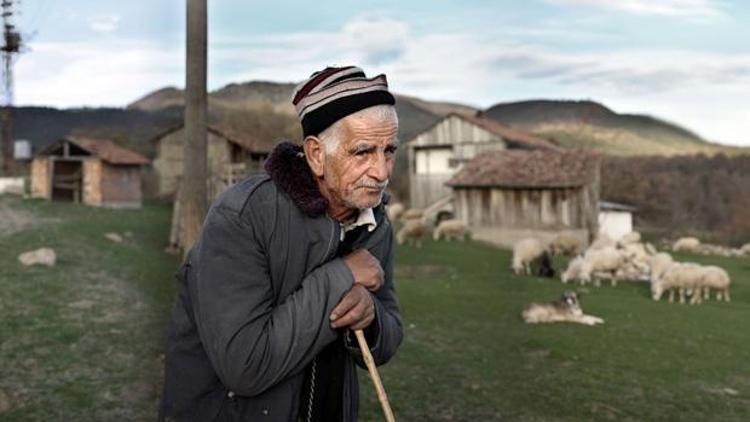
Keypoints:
pixel 566 309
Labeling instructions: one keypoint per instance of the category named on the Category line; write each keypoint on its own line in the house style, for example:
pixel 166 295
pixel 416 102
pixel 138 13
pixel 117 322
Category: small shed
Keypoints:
pixel 504 196
pixel 95 172
pixel 615 220
pixel 231 157
pixel 439 151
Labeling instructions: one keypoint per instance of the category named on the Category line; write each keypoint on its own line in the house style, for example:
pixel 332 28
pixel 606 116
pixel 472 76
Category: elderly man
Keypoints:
pixel 287 265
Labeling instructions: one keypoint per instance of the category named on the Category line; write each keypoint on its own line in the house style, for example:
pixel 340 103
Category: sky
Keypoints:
pixel 685 61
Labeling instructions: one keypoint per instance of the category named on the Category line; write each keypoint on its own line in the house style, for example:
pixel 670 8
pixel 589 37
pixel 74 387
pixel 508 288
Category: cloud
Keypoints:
pixel 66 74
pixel 104 23
pixel 703 9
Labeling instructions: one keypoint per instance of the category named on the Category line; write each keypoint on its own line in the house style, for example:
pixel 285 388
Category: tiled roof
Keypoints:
pixel 528 169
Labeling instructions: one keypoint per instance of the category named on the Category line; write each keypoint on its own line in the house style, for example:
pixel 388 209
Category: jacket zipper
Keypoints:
pixel 313 368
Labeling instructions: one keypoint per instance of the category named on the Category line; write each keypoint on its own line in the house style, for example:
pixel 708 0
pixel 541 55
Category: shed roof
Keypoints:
pixel 105 149
pixel 517 138
pixel 528 169
pixel 243 140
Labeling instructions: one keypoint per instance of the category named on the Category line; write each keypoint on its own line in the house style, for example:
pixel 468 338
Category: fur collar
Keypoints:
pixel 288 168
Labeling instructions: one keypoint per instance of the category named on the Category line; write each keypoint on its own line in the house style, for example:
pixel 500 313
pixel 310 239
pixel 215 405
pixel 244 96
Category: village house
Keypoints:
pixel 504 196
pixel 94 172
pixel 438 152
pixel 231 157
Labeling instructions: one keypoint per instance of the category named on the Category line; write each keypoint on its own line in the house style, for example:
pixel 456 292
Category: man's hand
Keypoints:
pixel 356 309
pixel 365 268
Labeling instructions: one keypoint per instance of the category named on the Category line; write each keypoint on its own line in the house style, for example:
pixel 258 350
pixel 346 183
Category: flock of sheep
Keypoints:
pixel 628 259
pixel 415 226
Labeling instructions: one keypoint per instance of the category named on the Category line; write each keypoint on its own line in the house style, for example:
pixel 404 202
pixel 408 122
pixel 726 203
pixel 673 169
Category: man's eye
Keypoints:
pixel 391 149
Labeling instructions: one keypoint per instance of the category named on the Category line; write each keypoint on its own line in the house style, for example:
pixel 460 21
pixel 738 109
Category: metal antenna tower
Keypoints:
pixel 12 44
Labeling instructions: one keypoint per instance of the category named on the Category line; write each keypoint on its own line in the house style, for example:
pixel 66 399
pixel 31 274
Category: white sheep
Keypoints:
pixel 413 230
pixel 450 229
pixel 689 244
pixel 659 263
pixel 567 309
pixel 566 243
pixel 715 278
pixel 573 272
pixel 601 262
pixel 412 214
pixel 394 211
pixel 526 251
pixel 602 241
pixel 679 276
pixel 745 249
pixel 632 237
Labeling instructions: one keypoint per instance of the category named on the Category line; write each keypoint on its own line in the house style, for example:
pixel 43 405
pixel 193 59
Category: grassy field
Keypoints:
pixel 83 340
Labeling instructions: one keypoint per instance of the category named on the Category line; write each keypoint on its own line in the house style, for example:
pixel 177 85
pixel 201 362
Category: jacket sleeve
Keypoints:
pixel 385 333
pixel 251 343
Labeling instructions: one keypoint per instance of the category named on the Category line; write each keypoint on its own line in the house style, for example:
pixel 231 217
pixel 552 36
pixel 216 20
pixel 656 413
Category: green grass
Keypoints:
pixel 83 340
pixel 467 355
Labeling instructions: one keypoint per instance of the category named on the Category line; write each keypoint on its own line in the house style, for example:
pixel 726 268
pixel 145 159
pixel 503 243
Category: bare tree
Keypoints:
pixel 193 192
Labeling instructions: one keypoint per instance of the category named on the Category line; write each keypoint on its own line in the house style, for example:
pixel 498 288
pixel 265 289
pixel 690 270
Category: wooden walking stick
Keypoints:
pixel 370 362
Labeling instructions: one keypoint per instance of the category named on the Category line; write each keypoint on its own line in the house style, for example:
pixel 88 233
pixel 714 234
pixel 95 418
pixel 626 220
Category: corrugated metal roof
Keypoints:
pixel 528 169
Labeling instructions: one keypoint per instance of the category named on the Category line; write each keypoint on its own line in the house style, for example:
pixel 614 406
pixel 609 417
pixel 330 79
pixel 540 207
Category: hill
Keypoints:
pixel 590 125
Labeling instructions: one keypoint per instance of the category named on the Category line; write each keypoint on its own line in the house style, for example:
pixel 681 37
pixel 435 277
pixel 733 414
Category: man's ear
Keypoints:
pixel 315 154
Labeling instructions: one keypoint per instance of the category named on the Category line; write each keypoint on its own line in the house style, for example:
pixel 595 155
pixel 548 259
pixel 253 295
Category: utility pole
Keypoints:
pixel 11 47
pixel 194 196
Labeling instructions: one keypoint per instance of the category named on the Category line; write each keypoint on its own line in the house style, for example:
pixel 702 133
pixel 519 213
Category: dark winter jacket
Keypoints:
pixel 255 295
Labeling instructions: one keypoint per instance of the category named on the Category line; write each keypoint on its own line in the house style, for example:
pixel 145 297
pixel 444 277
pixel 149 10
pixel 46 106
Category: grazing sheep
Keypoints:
pixel 526 251
pixel 413 230
pixel 566 243
pixel 601 262
pixel 715 278
pixel 394 211
pixel 688 244
pixel 449 229
pixel 746 249
pixel 567 309
pixel 632 237
pixel 679 276
pixel 602 241
pixel 573 272
pixel 412 214
pixel 659 263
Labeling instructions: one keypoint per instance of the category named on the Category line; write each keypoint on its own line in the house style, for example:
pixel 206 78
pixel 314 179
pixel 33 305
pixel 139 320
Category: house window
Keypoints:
pixel 434 160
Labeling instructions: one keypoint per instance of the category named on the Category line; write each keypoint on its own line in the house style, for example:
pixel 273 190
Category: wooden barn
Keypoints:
pixel 439 151
pixel 95 172
pixel 231 157
pixel 504 196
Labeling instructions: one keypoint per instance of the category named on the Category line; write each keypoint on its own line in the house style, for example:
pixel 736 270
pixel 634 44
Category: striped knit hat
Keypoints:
pixel 334 93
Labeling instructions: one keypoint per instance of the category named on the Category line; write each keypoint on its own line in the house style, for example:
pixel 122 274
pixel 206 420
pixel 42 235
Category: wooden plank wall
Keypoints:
pixel 92 176
pixel 40 187
pixel 543 209
pixel 121 186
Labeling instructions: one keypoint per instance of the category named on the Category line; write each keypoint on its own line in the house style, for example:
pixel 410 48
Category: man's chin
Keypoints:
pixel 369 200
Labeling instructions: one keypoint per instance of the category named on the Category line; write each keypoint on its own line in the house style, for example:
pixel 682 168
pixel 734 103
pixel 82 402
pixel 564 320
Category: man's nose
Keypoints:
pixel 379 169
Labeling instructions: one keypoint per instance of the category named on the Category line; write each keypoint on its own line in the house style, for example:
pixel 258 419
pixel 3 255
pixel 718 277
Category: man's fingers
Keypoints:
pixel 355 314
pixel 346 303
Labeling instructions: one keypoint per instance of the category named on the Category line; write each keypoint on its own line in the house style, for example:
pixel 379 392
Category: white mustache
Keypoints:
pixel 371 184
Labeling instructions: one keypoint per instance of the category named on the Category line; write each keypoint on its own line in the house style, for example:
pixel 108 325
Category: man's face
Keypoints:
pixel 356 173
